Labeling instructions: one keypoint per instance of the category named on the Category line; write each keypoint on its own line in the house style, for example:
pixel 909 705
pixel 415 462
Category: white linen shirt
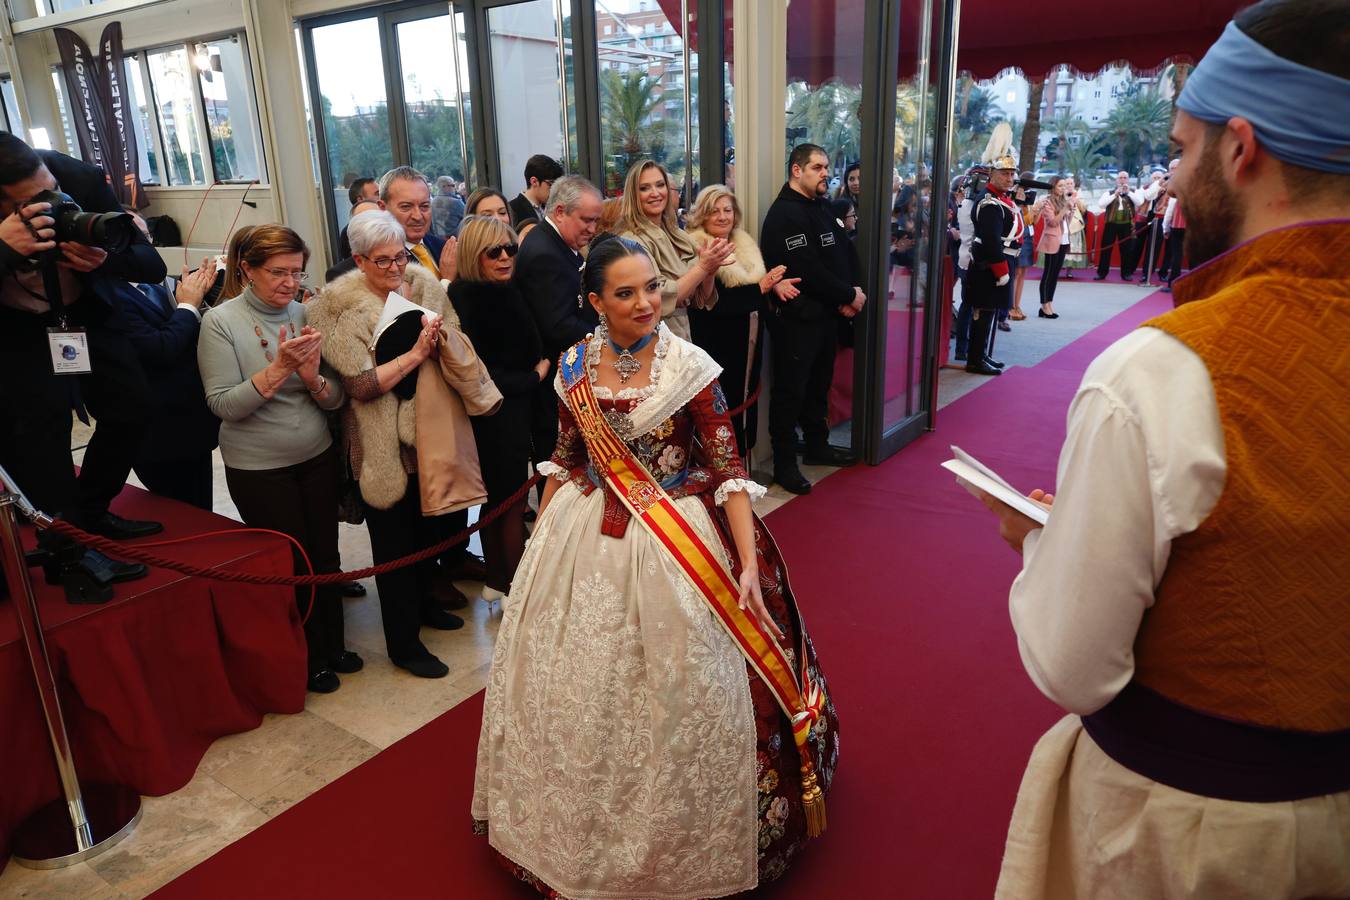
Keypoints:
pixel 1142 464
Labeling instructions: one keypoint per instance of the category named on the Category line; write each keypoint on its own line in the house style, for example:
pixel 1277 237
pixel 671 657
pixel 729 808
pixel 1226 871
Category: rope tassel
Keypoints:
pixel 813 801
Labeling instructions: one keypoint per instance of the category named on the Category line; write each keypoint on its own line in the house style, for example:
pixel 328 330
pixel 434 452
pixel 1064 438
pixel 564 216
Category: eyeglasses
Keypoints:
pixel 387 262
pixel 299 276
pixel 497 251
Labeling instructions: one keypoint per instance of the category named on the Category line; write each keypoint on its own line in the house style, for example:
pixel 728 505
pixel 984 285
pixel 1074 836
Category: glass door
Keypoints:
pixel 533 88
pixel 390 88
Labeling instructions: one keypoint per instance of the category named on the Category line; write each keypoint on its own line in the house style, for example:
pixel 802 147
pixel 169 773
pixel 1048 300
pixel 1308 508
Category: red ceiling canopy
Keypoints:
pixel 826 40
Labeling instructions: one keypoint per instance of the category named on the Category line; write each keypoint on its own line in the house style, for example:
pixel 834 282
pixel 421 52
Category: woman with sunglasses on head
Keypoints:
pixel 487 201
pixel 403 465
pixel 259 357
pixel 495 318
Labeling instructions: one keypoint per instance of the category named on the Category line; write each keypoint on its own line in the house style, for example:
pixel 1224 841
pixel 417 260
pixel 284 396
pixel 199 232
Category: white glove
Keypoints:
pixel 1002 281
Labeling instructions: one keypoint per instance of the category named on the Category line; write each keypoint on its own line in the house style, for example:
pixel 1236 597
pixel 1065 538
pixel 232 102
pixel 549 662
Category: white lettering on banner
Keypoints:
pixel 796 242
pixel 827 239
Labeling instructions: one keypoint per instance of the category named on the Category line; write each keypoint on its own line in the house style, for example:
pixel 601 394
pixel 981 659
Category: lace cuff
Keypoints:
pixel 731 485
pixel 549 469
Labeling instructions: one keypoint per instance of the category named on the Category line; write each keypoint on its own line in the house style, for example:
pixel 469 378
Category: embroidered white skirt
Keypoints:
pixel 617 752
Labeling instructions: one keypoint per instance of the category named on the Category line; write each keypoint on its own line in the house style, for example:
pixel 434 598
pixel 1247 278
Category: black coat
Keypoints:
pixel 521 209
pixel 496 320
pixel 993 220
pixel 165 339
pixel 140 262
pixel 548 274
pixel 803 234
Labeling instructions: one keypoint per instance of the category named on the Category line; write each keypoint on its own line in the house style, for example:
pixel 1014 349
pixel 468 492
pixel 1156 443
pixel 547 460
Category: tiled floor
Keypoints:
pixel 245 779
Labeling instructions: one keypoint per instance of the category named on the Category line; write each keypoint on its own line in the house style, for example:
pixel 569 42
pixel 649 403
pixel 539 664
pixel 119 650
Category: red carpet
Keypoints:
pixel 903 581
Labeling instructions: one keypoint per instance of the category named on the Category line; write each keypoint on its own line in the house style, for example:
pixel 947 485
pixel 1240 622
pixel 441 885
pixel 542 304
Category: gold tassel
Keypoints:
pixel 813 801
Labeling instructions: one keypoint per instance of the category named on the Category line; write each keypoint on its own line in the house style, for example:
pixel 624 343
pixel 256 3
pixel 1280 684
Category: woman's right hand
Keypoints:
pixel 715 254
pixel 541 368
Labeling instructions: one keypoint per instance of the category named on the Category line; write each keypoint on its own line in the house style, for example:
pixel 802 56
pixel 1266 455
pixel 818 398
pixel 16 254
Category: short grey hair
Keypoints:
pixel 402 173
pixel 567 192
pixel 376 228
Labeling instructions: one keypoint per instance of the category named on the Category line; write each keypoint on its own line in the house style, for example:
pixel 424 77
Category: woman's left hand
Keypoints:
pixel 309 367
pixel 787 289
pixel 751 599
pixel 773 276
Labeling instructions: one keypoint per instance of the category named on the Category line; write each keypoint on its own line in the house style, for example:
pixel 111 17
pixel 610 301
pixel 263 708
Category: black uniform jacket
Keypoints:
pixel 548 274
pixel 803 234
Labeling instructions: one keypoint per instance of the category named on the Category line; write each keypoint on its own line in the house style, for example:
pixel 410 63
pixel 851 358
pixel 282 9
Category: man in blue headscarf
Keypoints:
pixel 1188 600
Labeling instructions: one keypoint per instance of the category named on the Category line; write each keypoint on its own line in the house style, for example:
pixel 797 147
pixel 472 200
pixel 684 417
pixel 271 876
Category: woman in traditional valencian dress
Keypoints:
pixel 636 737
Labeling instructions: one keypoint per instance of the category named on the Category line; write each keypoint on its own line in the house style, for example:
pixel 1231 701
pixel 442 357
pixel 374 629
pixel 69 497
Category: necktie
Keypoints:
pixel 424 257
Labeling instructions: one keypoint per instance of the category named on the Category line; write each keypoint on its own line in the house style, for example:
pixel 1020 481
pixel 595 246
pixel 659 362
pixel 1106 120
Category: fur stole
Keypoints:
pixel 749 265
pixel 346 312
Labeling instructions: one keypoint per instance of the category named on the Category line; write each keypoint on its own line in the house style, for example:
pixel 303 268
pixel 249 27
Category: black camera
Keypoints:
pixel 111 231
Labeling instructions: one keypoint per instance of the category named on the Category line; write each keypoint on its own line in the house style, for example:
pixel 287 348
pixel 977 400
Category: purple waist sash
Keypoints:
pixel 1202 754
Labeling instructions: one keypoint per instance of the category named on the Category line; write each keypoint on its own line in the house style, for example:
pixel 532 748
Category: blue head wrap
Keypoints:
pixel 1300 115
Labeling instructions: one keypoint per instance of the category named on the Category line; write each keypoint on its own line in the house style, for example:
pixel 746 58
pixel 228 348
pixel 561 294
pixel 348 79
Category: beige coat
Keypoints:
pixel 674 255
pixel 382 428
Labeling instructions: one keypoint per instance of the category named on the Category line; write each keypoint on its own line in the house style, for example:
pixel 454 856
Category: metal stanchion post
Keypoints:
pixel 1148 253
pixel 82 824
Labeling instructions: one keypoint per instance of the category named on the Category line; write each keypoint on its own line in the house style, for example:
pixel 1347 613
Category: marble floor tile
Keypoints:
pixel 77 882
pixel 317 774
pixel 252 763
pixel 382 703
pixel 176 832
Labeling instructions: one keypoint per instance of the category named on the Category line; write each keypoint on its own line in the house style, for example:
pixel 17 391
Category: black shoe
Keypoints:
pixel 347 663
pixel 1004 326
pixel 467 568
pixel 829 456
pixel 444 593
pixel 425 667
pixel 102 569
pixel 996 363
pixel 530 515
pixel 441 620
pixel 351 589
pixel 324 681
pixel 1098 277
pixel 1045 315
pixel 982 368
pixel 792 480
pixel 120 529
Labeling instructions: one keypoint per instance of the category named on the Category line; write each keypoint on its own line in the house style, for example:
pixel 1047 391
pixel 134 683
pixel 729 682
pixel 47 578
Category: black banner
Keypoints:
pixel 124 166
pixel 100 107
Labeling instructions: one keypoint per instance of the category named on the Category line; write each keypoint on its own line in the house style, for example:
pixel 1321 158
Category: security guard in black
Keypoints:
pixel 801 233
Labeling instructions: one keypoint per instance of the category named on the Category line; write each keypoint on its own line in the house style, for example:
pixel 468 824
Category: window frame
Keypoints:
pixel 189 46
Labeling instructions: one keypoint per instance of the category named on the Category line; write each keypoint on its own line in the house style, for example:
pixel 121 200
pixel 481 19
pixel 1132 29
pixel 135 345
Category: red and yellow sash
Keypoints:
pixel 648 502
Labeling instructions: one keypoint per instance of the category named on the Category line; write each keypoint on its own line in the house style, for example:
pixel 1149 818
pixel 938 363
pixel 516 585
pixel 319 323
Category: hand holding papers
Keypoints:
pixel 979 479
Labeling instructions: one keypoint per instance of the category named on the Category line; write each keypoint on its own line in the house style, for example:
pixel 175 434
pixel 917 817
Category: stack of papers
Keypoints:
pixel 976 477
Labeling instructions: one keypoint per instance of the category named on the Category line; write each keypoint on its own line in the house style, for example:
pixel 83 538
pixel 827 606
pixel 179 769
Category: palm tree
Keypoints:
pixel 1137 125
pixel 1031 130
pixel 828 116
pixel 627 101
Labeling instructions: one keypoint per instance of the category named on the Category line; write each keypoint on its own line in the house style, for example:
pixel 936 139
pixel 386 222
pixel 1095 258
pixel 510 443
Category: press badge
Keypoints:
pixel 70 351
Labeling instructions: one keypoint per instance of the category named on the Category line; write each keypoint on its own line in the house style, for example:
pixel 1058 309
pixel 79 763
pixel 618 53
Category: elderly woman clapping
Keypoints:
pixel 413 456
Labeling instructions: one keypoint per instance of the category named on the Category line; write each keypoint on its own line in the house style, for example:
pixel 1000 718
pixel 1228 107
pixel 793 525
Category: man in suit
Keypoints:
pixel 548 275
pixel 540 174
pixel 36 403
pixel 405 193
pixel 162 322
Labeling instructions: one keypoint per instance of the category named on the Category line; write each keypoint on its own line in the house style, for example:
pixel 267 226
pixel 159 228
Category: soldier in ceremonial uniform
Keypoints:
pixel 997 242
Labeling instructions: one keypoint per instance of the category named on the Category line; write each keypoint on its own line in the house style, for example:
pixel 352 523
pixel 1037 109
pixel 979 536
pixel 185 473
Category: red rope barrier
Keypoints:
pixel 138 553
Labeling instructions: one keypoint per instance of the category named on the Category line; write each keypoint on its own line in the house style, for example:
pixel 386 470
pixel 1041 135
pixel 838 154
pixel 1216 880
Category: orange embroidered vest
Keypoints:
pixel 1252 617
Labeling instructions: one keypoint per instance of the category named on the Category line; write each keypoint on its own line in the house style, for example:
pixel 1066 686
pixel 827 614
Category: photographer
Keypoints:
pixel 39 259
pixel 1118 206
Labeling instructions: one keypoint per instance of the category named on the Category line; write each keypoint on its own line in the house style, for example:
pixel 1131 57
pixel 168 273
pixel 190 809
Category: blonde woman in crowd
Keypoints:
pixel 687 270
pixel 732 331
